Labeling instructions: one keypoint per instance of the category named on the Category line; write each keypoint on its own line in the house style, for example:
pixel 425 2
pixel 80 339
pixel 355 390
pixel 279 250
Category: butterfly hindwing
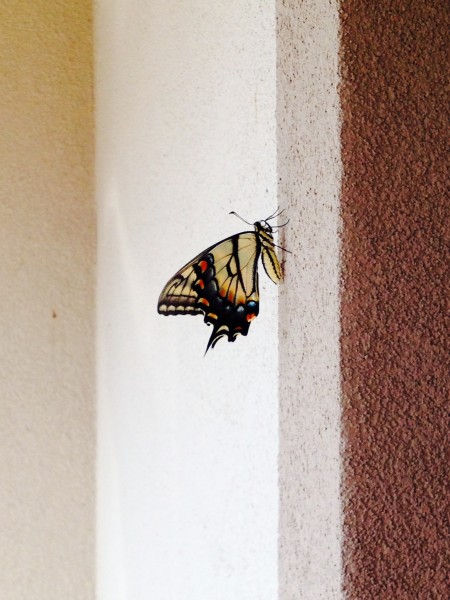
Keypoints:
pixel 269 258
pixel 222 284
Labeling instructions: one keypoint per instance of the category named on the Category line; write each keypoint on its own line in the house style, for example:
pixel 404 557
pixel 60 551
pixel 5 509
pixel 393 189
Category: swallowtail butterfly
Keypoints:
pixel 221 283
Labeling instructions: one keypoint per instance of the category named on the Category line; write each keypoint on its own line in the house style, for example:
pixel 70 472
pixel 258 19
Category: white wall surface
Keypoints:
pixel 187 455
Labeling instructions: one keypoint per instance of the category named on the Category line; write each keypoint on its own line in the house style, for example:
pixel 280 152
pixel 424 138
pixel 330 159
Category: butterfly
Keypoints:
pixel 221 283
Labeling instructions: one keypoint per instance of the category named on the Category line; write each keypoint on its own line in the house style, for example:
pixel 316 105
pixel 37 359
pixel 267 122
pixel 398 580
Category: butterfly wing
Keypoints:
pixel 269 257
pixel 222 284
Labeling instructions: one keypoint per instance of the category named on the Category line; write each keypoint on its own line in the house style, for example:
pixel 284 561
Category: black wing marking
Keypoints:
pixel 222 284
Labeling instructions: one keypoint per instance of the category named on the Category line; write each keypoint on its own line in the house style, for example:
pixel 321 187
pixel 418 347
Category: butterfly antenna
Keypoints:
pixel 276 214
pixel 282 225
pixel 239 217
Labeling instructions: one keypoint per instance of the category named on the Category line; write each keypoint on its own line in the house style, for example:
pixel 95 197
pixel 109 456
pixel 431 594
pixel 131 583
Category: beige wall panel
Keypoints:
pixel 47 245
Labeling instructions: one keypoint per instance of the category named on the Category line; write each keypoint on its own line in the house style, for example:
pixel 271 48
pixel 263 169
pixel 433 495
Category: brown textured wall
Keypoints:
pixel 394 63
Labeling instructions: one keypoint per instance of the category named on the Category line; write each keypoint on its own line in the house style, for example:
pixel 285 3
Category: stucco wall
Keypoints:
pixel 187 132
pixel 394 62
pixel 47 246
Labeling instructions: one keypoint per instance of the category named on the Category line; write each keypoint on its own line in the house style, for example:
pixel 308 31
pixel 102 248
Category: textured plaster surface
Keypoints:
pixel 46 302
pixel 309 184
pixel 395 209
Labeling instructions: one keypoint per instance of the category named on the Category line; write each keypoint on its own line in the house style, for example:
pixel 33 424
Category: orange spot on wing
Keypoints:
pixel 212 315
pixel 251 316
pixel 201 283
pixel 238 328
pixel 203 301
pixel 230 296
pixel 203 265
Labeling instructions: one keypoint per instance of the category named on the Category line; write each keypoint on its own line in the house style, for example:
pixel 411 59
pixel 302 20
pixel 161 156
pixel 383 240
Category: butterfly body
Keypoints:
pixel 221 283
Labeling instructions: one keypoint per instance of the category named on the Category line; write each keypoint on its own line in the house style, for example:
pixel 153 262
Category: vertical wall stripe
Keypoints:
pixel 309 183
pixel 395 63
